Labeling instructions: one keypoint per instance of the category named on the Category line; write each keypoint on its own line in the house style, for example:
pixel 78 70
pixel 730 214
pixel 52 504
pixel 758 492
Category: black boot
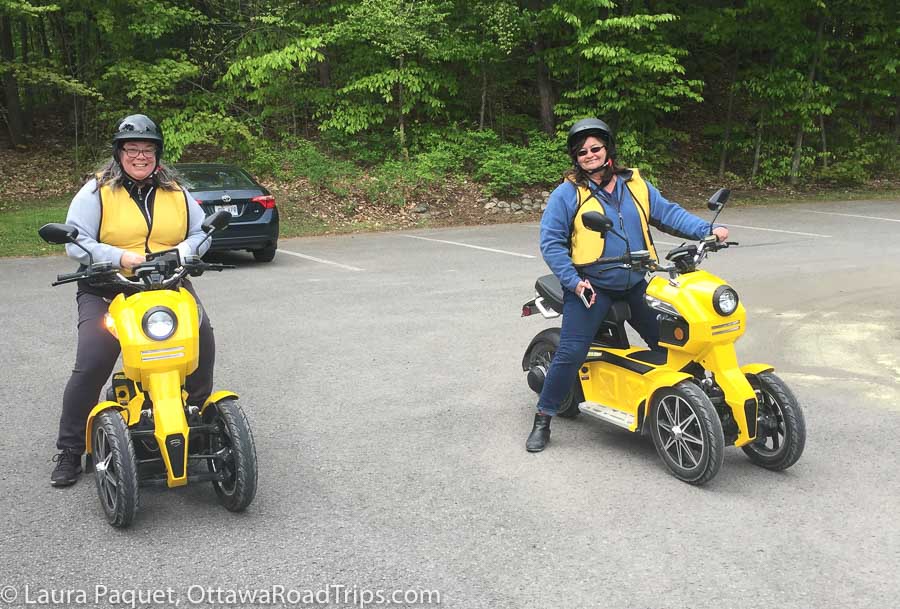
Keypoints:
pixel 540 433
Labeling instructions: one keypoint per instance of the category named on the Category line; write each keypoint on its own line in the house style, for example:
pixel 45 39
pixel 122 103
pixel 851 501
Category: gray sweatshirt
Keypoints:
pixel 84 214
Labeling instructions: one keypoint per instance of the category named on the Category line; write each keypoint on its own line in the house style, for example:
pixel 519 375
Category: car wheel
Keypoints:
pixel 687 433
pixel 266 254
pixel 115 468
pixel 781 436
pixel 235 453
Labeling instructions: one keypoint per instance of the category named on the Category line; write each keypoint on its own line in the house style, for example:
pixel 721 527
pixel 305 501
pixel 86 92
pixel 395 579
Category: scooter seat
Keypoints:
pixel 551 290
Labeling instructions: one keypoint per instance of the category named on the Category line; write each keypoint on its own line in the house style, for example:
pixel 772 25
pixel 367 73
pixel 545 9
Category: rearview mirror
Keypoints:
pixel 58 234
pixel 596 221
pixel 718 200
pixel 217 221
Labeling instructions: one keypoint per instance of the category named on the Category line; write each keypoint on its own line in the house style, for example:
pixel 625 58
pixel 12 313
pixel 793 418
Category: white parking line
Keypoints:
pixel 314 259
pixel 775 230
pixel 831 213
pixel 474 247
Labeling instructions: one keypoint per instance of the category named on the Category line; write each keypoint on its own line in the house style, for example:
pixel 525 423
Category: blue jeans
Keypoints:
pixel 579 326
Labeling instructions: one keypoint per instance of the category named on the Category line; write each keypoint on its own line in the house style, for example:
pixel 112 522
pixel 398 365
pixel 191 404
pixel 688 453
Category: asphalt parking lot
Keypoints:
pixel 381 375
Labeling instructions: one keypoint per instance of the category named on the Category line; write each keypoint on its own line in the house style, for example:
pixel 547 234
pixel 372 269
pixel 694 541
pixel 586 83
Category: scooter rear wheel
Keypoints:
pixel 237 463
pixel 541 355
pixel 115 468
pixel 687 433
pixel 782 429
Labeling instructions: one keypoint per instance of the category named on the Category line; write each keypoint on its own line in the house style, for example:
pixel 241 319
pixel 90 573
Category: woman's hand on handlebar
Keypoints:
pixel 721 233
pixel 130 260
pixel 583 285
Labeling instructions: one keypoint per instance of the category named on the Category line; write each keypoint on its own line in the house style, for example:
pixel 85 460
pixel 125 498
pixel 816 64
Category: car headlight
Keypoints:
pixel 725 300
pixel 159 323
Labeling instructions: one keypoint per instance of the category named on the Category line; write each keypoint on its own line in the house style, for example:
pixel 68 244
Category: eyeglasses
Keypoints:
pixel 593 150
pixel 133 153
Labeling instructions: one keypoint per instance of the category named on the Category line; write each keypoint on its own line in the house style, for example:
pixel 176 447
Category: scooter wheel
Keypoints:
pixel 115 468
pixel 687 433
pixel 781 436
pixel 539 358
pixel 233 441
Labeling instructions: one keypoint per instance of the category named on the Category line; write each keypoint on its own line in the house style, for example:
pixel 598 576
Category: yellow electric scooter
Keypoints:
pixel 145 432
pixel 691 396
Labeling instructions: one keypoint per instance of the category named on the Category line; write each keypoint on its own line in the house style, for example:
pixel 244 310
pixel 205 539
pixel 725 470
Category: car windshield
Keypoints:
pixel 215 178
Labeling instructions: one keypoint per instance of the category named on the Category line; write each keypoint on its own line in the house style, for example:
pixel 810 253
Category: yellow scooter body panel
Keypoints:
pixel 142 355
pixel 619 382
pixel 615 379
pixel 160 367
pixel 692 296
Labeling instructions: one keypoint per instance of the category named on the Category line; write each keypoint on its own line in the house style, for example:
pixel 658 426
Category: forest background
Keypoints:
pixel 376 113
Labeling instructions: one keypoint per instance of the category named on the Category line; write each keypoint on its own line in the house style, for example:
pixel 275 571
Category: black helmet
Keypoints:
pixel 595 127
pixel 138 127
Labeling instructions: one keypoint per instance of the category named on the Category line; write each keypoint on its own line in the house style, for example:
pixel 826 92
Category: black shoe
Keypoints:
pixel 68 468
pixel 540 434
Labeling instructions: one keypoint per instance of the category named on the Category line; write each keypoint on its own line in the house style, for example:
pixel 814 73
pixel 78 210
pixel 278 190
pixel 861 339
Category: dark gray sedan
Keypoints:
pixel 254 224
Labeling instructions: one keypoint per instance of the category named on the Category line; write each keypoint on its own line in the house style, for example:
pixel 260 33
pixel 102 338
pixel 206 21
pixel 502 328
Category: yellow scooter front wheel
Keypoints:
pixel 115 467
pixel 687 432
pixel 235 453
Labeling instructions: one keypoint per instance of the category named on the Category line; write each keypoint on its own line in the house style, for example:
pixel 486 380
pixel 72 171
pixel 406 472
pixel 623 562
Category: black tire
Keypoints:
pixel 781 437
pixel 234 442
pixel 266 254
pixel 115 468
pixel 687 433
pixel 541 354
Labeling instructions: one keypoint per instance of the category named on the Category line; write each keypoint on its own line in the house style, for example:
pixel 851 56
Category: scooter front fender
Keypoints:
pixel 170 424
pixel 721 360
pixel 756 368
pixel 658 379
pixel 215 397
pixel 90 420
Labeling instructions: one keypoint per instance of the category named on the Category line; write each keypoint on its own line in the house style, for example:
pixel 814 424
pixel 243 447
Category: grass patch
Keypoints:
pixel 300 224
pixel 19 223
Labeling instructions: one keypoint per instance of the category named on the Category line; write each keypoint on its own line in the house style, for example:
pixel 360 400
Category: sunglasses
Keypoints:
pixel 593 150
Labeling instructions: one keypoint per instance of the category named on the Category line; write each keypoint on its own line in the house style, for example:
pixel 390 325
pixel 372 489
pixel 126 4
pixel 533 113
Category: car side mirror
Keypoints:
pixel 718 200
pixel 217 221
pixel 598 222
pixel 58 234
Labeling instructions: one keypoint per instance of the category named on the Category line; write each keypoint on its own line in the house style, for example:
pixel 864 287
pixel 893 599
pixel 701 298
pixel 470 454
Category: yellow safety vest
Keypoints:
pixel 122 222
pixel 587 245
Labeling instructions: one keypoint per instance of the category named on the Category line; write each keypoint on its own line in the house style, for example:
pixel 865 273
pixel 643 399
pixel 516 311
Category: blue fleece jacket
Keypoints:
pixel 556 225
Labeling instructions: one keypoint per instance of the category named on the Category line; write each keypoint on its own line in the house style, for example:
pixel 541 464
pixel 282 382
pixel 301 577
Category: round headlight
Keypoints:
pixel 725 300
pixel 159 323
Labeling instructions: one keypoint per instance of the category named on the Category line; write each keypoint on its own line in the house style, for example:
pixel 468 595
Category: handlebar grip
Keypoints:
pixel 70 276
pixel 612 260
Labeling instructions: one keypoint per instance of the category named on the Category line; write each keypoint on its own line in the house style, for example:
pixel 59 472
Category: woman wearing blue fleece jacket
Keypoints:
pixel 598 183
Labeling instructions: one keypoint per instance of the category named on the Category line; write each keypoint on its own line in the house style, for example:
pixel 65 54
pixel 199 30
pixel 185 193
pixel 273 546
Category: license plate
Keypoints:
pixel 232 209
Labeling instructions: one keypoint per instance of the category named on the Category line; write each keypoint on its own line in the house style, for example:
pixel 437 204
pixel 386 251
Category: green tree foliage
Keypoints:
pixel 415 91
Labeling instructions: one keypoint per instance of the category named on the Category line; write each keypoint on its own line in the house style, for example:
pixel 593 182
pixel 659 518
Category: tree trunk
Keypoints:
pixel 28 106
pixel 483 98
pixel 325 72
pixel 402 126
pixel 824 142
pixel 14 120
pixel 727 135
pixel 756 150
pixel 798 142
pixel 545 91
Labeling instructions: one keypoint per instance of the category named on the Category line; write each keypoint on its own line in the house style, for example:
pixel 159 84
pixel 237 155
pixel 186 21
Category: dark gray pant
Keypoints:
pixel 98 351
